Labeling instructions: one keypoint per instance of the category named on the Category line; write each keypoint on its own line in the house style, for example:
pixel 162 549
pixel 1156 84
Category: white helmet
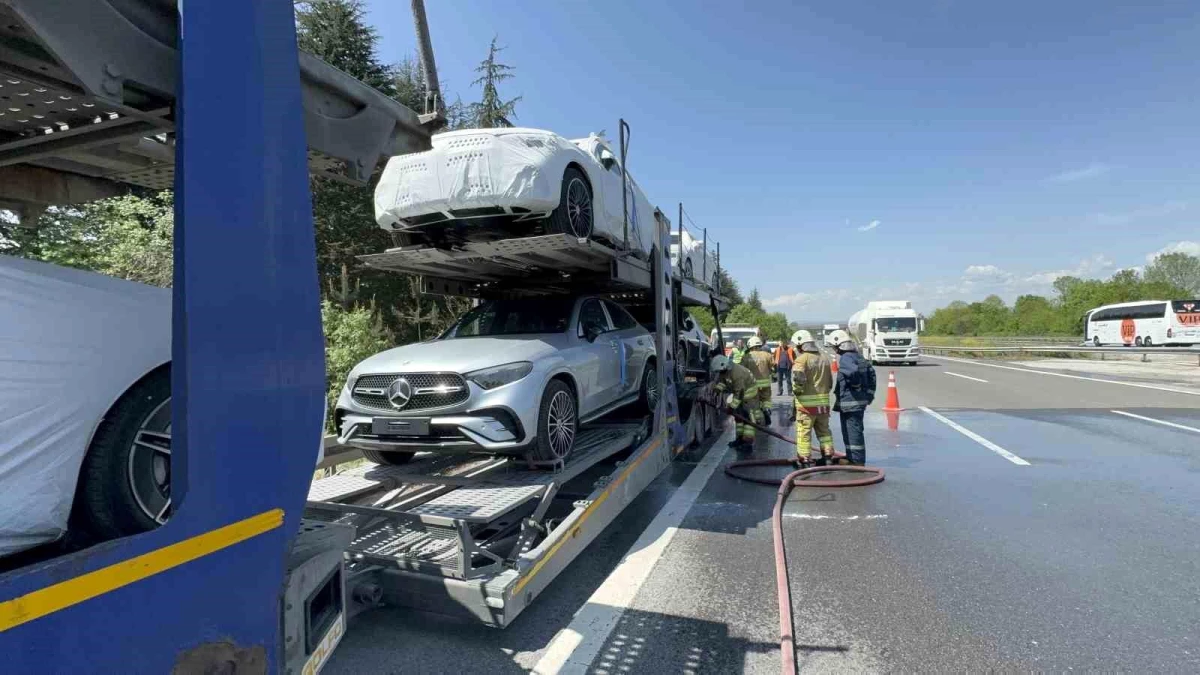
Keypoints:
pixel 840 337
pixel 754 341
pixel 720 364
pixel 800 337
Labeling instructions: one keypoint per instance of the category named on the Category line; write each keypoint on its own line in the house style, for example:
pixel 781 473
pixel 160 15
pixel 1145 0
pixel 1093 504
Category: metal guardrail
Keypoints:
pixel 1067 349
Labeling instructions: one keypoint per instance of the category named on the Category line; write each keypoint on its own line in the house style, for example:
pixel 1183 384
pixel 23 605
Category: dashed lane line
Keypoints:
pixel 965 377
pixel 1139 385
pixel 975 437
pixel 1151 419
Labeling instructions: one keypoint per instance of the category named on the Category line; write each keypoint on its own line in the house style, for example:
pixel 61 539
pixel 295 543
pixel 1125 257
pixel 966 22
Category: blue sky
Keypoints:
pixel 992 145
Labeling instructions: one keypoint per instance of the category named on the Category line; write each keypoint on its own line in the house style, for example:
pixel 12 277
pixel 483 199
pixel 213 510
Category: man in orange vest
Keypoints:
pixel 785 356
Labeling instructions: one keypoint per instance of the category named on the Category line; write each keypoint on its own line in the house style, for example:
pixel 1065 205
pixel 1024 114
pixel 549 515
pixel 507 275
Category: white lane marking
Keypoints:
pixel 965 377
pixel 575 647
pixel 1151 419
pixel 1071 377
pixel 821 516
pixel 977 438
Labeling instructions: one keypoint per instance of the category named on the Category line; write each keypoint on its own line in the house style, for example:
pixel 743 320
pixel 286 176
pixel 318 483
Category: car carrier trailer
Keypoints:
pixel 257 569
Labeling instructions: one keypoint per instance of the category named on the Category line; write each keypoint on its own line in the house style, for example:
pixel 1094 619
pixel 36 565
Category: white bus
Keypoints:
pixel 1148 323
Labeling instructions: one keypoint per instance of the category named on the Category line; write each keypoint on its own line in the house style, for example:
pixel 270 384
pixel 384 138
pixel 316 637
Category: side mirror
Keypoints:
pixel 591 331
pixel 607 159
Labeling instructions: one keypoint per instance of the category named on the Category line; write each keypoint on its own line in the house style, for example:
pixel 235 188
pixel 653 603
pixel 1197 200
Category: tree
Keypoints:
pixel 493 111
pixel 729 287
pixel 351 335
pixel 1176 269
pixel 755 300
pixel 336 31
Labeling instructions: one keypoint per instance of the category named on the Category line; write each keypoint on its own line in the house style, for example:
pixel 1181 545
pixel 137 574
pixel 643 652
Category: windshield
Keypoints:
pixel 514 317
pixel 897 324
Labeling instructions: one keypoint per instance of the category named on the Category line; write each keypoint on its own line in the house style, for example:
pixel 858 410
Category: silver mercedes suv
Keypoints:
pixel 510 376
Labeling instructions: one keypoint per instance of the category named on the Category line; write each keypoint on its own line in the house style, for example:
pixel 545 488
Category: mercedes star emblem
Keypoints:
pixel 399 393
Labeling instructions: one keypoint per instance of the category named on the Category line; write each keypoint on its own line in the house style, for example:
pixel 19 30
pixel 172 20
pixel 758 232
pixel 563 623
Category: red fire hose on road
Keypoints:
pixel 799 478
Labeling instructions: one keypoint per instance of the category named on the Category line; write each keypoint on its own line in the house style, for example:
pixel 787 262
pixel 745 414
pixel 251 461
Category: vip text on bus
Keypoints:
pixel 1148 323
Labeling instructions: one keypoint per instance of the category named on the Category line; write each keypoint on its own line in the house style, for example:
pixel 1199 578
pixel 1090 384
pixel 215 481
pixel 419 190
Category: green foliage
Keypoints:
pixel 492 111
pixel 755 300
pixel 336 31
pixel 772 326
pixel 729 287
pixel 1062 315
pixel 351 335
pixel 1176 269
pixel 128 237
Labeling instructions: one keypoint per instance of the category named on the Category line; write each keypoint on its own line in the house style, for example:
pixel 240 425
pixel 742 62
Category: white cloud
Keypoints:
pixel 804 300
pixel 1144 213
pixel 1188 247
pixel 1090 171
pixel 869 226
pixel 984 271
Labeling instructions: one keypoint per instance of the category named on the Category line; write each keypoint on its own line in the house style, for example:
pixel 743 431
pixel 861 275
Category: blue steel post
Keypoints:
pixel 248 379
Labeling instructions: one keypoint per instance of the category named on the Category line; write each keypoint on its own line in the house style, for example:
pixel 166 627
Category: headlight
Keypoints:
pixel 498 376
pixel 349 381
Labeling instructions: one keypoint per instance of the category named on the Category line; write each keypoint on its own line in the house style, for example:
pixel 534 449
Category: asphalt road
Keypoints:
pixel 1082 553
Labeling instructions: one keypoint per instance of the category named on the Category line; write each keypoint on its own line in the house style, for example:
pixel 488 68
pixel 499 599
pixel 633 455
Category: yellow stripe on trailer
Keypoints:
pixel 50 599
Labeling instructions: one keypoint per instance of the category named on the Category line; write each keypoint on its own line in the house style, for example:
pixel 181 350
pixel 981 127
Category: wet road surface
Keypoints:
pixel 1087 556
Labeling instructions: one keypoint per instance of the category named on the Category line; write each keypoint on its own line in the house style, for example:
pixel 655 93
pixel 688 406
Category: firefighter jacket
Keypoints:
pixel 811 383
pixel 855 387
pixel 760 365
pixel 739 382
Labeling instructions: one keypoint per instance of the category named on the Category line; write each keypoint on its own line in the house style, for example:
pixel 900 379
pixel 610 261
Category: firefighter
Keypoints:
pixel 736 380
pixel 855 389
pixel 760 364
pixel 811 383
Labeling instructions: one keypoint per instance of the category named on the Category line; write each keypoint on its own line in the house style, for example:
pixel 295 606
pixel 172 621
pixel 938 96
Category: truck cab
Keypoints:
pixel 888 331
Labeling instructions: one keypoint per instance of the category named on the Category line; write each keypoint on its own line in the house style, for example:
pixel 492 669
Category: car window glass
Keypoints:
pixel 514 317
pixel 591 316
pixel 620 318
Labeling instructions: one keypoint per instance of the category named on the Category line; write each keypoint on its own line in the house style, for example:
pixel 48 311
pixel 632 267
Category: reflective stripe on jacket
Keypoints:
pixel 739 382
pixel 811 383
pixel 760 365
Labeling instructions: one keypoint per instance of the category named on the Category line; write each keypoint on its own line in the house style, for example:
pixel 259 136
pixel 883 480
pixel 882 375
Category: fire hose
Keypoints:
pixel 798 478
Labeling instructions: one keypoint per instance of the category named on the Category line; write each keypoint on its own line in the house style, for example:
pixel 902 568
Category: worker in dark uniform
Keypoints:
pixel 855 390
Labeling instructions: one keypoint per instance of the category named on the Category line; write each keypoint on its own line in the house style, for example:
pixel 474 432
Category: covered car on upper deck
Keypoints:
pixel 490 184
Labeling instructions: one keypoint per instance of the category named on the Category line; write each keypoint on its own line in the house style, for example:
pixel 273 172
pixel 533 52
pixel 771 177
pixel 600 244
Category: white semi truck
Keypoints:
pixel 887 331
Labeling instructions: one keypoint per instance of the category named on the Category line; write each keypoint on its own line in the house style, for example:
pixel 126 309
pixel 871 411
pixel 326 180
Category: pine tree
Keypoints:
pixel 492 111
pixel 336 31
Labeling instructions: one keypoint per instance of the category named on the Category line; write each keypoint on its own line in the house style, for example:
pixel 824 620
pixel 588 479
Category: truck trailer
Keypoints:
pixel 887 331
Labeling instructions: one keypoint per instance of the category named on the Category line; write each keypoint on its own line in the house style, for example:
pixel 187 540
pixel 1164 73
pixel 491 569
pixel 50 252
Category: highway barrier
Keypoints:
pixel 1067 350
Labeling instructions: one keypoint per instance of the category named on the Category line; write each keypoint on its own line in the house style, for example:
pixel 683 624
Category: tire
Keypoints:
pixel 124 483
pixel 1096 341
pixel 575 213
pixel 649 390
pixel 388 458
pixel 688 269
pixel 1137 342
pixel 1147 342
pixel 558 423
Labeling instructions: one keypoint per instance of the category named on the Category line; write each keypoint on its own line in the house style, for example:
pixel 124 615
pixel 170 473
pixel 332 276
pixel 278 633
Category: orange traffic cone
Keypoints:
pixel 893 396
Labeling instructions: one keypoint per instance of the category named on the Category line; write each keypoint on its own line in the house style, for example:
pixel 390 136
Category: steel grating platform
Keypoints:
pixel 480 505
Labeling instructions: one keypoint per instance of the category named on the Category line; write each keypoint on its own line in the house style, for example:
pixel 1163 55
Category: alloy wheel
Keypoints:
pixel 560 424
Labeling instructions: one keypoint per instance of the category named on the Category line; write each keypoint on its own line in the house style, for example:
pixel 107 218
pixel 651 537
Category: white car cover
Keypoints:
pixel 71 342
pixel 506 168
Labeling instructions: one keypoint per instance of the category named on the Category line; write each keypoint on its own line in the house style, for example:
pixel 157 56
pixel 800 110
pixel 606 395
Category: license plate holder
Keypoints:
pixel 400 426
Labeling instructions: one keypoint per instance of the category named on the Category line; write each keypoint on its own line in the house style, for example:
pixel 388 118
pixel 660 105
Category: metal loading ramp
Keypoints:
pixel 454 516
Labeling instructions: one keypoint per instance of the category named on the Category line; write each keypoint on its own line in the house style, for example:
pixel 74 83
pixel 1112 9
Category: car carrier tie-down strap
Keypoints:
pixel 798 478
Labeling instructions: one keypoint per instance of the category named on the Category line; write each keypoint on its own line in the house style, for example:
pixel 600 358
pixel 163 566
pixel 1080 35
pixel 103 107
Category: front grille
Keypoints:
pixel 424 401
pixel 896 342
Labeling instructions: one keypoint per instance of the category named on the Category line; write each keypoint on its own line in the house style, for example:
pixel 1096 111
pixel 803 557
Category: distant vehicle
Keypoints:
pixel 695 263
pixel 1144 324
pixel 492 184
pixel 732 334
pixel 826 331
pixel 86 369
pixel 887 331
pixel 771 346
pixel 516 377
